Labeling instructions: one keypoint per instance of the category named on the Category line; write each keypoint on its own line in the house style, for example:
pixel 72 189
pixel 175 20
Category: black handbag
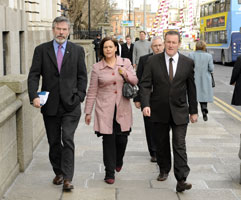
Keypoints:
pixel 213 82
pixel 129 91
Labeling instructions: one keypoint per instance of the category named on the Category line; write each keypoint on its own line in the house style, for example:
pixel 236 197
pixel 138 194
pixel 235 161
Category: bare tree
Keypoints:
pixel 78 12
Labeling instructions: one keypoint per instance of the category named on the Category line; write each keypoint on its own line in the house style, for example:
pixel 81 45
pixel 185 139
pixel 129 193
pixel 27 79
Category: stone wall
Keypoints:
pixel 89 52
pixel 23 26
pixel 21 128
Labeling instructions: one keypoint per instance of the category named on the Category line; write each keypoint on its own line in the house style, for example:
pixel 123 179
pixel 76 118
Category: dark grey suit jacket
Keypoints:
pixel 68 86
pixel 176 99
pixel 139 72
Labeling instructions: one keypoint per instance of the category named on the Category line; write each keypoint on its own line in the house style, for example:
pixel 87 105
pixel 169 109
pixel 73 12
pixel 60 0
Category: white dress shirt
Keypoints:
pixel 174 63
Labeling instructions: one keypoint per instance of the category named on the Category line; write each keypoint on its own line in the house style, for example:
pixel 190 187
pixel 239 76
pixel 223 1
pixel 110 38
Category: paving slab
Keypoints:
pixel 153 194
pixel 90 194
pixel 212 155
pixel 207 195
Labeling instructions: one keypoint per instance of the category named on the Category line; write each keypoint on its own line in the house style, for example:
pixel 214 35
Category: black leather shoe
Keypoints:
pixel 68 186
pixel 153 159
pixel 182 186
pixel 58 180
pixel 162 176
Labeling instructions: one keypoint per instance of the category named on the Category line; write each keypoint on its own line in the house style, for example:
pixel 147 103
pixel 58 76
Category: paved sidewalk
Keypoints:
pixel 212 153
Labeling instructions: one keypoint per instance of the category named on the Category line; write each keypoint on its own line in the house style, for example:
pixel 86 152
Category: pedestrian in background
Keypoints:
pixel 141 48
pixel 236 81
pixel 113 112
pixel 127 48
pixel 61 64
pixel 157 47
pixel 204 66
pixel 168 96
pixel 96 42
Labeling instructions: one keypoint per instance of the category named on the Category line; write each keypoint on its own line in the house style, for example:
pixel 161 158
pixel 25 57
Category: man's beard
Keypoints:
pixel 60 41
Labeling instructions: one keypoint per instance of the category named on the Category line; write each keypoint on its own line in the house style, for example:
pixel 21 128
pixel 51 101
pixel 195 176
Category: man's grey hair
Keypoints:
pixel 156 38
pixel 60 19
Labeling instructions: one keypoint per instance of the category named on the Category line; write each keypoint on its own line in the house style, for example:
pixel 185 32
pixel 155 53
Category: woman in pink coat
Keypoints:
pixel 113 112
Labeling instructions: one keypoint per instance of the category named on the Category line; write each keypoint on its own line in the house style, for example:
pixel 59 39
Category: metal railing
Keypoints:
pixel 86 34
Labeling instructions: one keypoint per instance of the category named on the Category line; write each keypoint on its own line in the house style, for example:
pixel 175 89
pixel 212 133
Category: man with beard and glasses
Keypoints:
pixel 61 64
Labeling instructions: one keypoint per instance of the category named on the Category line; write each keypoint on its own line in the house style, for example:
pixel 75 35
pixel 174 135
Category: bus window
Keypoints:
pixel 206 10
pixel 210 9
pixel 202 11
pixel 206 37
pixel 222 7
pixel 209 38
pixel 217 6
pixel 227 5
pixel 215 37
pixel 223 36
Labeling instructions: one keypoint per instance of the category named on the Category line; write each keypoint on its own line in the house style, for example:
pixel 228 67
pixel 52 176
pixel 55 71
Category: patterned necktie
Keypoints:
pixel 59 57
pixel 170 69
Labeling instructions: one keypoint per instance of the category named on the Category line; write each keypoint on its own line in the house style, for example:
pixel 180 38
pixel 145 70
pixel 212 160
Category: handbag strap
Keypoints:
pixel 123 66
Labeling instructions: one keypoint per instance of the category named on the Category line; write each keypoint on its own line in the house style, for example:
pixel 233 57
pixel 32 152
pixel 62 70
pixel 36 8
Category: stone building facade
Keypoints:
pixel 24 24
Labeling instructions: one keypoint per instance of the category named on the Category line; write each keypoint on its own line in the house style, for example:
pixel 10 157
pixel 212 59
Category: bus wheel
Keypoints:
pixel 223 59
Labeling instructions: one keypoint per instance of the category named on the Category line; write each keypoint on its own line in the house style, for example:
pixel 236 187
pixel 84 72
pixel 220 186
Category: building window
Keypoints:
pixel 21 46
pixel 5 52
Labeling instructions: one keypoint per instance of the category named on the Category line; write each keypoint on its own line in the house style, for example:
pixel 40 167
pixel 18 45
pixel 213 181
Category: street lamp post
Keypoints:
pixel 116 23
pixel 89 18
pixel 129 16
pixel 106 16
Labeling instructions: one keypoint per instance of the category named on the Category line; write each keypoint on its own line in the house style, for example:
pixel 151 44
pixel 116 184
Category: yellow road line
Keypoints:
pixel 227 105
pixel 228 111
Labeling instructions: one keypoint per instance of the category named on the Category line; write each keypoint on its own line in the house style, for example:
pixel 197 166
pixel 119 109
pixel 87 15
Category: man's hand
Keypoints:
pixel 193 118
pixel 87 119
pixel 138 105
pixel 134 66
pixel 147 111
pixel 36 102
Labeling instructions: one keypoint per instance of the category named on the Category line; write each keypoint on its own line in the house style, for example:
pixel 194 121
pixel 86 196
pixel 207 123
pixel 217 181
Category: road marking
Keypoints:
pixel 227 108
pixel 227 105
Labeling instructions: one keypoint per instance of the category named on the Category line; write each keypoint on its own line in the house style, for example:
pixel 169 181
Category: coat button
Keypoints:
pixel 114 83
pixel 57 74
pixel 115 92
pixel 113 73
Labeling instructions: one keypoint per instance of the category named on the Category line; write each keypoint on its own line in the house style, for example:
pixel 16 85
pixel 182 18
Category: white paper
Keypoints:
pixel 43 97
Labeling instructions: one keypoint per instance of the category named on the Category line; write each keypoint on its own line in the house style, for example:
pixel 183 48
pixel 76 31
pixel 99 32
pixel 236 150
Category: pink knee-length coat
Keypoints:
pixel 105 92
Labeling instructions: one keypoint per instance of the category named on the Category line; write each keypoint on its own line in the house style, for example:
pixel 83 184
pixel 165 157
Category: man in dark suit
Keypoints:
pixel 96 42
pixel 61 64
pixel 168 96
pixel 127 48
pixel 157 47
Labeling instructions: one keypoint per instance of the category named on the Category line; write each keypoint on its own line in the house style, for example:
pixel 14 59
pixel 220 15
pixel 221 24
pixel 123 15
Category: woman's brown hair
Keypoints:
pixel 102 45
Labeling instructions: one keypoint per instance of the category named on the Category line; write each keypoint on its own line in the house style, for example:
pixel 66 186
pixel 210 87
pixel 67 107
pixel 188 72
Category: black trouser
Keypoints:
pixel 114 146
pixel 97 55
pixel 162 140
pixel 60 132
pixel 204 107
pixel 149 137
